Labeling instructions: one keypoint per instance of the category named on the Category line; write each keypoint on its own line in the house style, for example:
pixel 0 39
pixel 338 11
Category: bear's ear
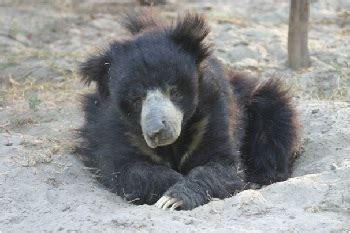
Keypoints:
pixel 95 69
pixel 190 32
pixel 136 23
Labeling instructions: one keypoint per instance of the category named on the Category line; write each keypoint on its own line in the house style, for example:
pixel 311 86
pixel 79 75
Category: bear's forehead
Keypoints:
pixel 156 59
pixel 155 48
pixel 151 62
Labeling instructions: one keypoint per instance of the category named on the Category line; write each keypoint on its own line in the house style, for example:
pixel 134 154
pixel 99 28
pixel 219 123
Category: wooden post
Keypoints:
pixel 298 51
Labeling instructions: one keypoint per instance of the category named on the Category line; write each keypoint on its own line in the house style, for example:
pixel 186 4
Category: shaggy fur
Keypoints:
pixel 235 130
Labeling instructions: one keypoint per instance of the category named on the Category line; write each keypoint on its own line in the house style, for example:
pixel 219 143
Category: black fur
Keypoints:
pixel 189 33
pixel 227 117
pixel 96 69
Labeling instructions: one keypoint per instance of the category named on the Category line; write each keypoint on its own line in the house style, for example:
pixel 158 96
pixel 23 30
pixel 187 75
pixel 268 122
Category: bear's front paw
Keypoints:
pixel 184 195
pixel 169 203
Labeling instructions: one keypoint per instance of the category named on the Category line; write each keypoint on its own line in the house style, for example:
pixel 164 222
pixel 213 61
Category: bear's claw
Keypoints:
pixel 168 203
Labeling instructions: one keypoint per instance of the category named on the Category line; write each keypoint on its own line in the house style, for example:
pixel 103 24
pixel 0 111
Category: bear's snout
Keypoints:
pixel 160 120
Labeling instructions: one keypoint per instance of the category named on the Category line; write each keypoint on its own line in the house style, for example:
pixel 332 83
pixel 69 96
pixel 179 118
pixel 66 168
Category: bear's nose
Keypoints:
pixel 155 130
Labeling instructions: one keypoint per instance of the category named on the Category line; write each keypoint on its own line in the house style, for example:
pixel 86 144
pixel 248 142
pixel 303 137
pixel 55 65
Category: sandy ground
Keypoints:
pixel 44 187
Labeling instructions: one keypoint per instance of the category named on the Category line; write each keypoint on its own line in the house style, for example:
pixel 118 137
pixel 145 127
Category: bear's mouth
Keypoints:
pixel 161 119
pixel 157 143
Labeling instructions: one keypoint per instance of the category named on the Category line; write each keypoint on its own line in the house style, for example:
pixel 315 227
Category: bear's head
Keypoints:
pixel 153 77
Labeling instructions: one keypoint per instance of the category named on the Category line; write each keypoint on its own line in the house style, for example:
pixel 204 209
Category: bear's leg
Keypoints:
pixel 213 180
pixel 139 182
pixel 270 134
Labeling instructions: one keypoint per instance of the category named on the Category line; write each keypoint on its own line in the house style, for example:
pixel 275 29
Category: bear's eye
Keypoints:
pixel 174 92
pixel 137 102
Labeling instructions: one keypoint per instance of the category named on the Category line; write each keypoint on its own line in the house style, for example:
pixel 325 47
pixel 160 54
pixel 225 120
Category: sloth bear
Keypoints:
pixel 169 125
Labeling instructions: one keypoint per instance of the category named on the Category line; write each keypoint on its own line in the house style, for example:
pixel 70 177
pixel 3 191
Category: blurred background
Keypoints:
pixel 43 41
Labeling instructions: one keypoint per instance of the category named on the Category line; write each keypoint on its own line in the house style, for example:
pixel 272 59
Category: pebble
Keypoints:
pixel 333 166
pixel 314 111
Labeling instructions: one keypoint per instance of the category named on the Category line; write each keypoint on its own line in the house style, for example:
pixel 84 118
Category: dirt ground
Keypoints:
pixel 44 187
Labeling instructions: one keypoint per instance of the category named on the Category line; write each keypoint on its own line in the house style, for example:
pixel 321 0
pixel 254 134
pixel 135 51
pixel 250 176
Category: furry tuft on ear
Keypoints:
pixel 95 69
pixel 190 32
pixel 135 23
